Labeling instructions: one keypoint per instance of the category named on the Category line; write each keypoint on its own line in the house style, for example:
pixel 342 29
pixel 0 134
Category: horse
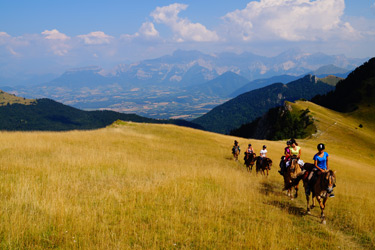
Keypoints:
pixel 249 160
pixel 321 190
pixel 290 177
pixel 235 152
pixel 263 165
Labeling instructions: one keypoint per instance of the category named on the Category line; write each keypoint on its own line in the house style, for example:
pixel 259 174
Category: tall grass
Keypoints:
pixel 142 186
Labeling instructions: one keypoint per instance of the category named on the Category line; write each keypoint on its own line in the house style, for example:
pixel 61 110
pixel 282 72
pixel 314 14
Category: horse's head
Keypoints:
pixel 330 180
pixel 269 163
pixel 294 166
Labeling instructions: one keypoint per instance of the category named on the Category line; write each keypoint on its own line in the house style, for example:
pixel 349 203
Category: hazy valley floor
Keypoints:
pixel 143 186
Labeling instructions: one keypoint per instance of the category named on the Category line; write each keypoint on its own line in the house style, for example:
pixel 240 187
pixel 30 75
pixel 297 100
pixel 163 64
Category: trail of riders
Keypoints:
pixel 318 180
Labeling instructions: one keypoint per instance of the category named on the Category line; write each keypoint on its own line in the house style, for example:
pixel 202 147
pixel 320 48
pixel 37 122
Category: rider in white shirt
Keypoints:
pixel 263 153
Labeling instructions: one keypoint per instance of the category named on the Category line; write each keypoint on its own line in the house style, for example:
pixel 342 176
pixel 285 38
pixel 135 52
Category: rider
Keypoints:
pixel 250 149
pixel 236 146
pixel 295 151
pixel 321 164
pixel 285 158
pixel 263 153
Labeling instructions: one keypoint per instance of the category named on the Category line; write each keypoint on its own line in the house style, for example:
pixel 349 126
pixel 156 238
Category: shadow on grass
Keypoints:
pixel 288 207
pixel 268 188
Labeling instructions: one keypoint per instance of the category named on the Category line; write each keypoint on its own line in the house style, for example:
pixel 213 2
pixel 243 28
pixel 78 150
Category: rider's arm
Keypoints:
pixel 299 154
pixel 327 163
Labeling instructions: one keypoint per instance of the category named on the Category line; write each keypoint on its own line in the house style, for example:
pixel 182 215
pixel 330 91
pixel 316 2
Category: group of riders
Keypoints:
pixel 293 151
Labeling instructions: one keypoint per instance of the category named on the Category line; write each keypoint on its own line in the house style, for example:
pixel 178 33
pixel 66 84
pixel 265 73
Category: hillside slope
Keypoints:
pixel 249 106
pixel 45 114
pixel 147 186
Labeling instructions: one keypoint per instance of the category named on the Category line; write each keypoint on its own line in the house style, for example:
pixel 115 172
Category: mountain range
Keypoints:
pixel 185 84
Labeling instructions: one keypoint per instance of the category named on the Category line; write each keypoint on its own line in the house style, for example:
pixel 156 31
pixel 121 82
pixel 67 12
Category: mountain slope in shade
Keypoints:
pixel 247 107
pixel 260 83
pixel 358 89
pixel 221 85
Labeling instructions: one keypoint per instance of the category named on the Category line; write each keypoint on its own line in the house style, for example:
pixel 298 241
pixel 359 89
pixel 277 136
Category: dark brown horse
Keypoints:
pixel 263 165
pixel 290 177
pixel 321 190
pixel 249 160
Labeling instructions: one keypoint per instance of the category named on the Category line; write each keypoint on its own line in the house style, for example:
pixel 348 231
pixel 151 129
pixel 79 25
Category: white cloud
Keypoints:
pixel 11 50
pixel 56 42
pixel 290 20
pixel 183 29
pixel 146 31
pixel 96 38
pixel 54 35
pixel 4 34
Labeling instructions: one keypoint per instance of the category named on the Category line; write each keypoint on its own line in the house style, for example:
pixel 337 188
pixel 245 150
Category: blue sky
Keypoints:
pixel 40 36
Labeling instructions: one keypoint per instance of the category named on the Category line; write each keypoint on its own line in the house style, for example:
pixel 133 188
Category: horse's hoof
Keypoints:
pixel 324 222
pixel 308 212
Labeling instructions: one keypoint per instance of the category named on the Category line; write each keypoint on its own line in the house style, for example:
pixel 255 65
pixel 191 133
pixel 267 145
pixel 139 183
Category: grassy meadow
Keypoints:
pixel 147 186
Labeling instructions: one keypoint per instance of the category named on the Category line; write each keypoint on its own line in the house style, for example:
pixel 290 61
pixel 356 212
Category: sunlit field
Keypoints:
pixel 143 186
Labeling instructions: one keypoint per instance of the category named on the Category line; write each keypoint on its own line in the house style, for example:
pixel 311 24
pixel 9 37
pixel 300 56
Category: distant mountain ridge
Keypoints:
pixel 247 107
pixel 161 88
pixel 221 85
pixel 260 83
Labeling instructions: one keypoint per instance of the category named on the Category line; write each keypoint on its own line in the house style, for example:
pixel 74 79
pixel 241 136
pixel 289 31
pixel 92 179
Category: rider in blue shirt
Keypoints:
pixel 321 164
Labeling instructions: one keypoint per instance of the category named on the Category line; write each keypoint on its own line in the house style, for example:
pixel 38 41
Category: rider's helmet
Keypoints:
pixel 288 142
pixel 249 145
pixel 264 146
pixel 321 146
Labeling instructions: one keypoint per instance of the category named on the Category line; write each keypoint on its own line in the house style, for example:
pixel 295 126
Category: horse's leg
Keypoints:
pixel 308 205
pixel 321 204
pixel 324 206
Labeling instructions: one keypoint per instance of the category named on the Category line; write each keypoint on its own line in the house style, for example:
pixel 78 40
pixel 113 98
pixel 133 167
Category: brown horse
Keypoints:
pixel 321 190
pixel 263 165
pixel 290 177
pixel 249 161
pixel 235 152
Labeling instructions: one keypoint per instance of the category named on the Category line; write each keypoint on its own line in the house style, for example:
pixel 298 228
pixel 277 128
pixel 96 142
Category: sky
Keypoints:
pixel 50 36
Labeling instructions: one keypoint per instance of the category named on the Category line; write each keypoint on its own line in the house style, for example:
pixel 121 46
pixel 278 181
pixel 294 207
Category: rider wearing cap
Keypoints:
pixel 263 153
pixel 321 164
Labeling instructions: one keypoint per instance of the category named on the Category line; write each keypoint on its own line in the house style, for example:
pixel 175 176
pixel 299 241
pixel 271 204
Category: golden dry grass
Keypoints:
pixel 143 186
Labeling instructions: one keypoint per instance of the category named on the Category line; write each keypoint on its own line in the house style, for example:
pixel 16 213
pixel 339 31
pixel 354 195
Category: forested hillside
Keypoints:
pixel 46 114
pixel 251 105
